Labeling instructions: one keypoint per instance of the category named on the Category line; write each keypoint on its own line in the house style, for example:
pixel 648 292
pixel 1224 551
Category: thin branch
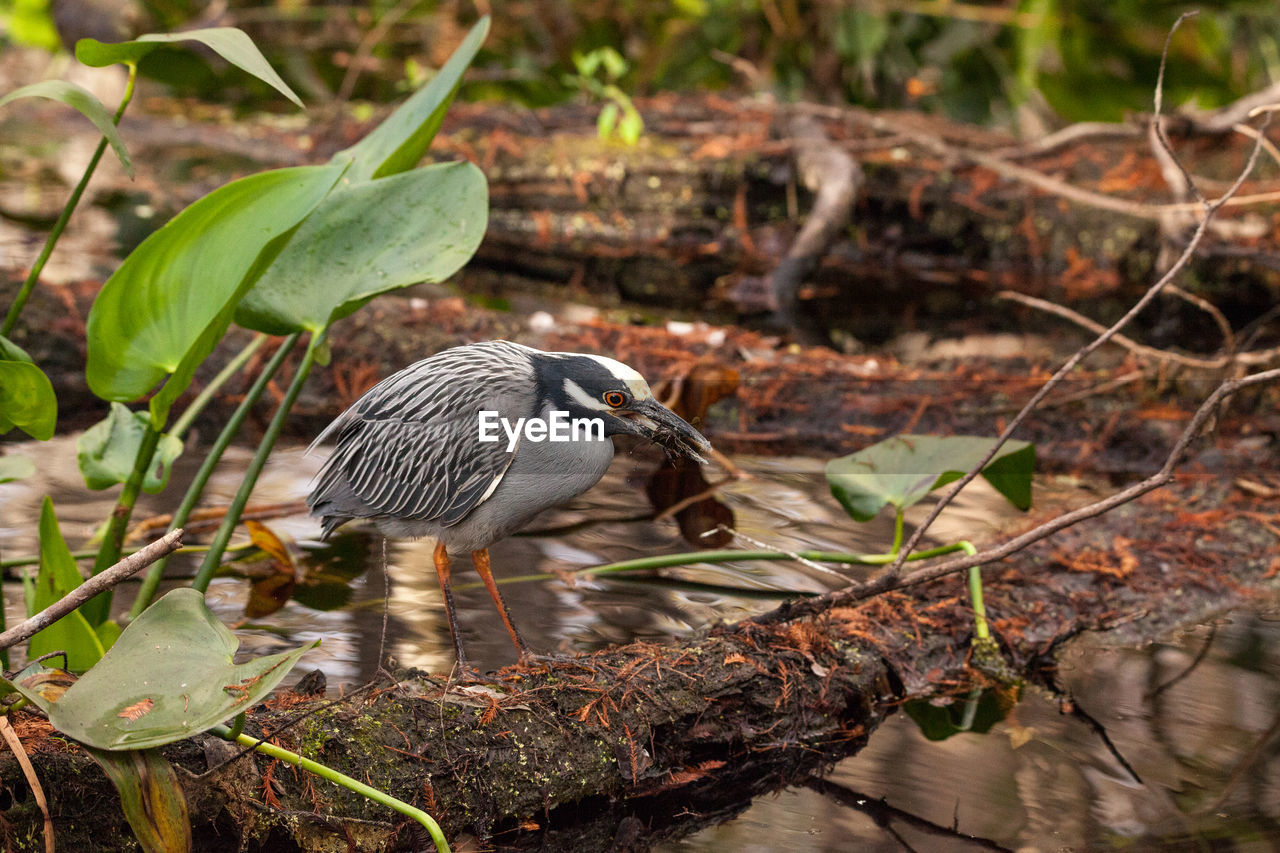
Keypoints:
pixel 100 582
pixel 1224 327
pixel 1244 359
pixel 1157 120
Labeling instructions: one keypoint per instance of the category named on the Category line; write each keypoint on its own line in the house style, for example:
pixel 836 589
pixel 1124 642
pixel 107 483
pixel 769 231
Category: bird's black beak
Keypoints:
pixel 650 419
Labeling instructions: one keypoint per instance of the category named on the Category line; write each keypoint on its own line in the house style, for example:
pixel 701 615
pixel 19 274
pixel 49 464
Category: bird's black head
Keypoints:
pixel 592 386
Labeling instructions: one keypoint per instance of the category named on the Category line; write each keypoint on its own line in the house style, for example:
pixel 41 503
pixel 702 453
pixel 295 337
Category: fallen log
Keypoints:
pixel 619 749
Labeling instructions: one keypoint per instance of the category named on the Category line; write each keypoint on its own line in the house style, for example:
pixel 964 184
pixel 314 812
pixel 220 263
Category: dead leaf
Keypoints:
pixel 137 710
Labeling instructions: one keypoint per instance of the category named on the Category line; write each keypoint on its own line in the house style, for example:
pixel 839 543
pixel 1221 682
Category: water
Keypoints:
pixel 1038 780
pixel 1204 746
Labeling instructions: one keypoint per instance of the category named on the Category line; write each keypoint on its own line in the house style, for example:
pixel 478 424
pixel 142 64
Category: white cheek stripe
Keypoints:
pixel 575 391
pixel 624 373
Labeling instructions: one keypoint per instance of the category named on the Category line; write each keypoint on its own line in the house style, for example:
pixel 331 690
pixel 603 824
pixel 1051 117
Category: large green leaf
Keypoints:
pixel 231 44
pixel 170 675
pixel 27 400
pixel 56 578
pixel 900 471
pixel 150 796
pixel 399 142
pixel 173 296
pixel 83 100
pixel 106 451
pixel 367 239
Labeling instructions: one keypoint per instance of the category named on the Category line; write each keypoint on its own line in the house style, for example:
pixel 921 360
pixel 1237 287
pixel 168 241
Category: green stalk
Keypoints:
pixel 897 531
pixel 183 423
pixel 155 573
pixel 20 302
pixel 34 559
pixel 273 751
pixel 98 608
pixel 980 629
pixel 213 558
pixel 692 558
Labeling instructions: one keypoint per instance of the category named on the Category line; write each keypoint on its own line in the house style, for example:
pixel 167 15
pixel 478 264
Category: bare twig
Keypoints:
pixel 100 582
pixel 1224 327
pixel 37 791
pixel 1242 359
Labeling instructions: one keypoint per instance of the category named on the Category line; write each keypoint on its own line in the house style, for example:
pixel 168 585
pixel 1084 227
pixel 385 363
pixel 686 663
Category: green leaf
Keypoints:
pixel 106 451
pixel 151 797
pixel 169 676
pixel 9 351
pixel 631 126
pixel 175 293
pixel 399 142
pixel 56 578
pixel 367 239
pixel 27 400
pixel 83 100
pixel 606 120
pixel 231 44
pixel 15 468
pixel 900 471
pixel 108 632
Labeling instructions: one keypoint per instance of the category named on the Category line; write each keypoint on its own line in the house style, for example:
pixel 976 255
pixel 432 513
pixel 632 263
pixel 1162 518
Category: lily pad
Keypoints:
pixel 900 471
pixel 170 675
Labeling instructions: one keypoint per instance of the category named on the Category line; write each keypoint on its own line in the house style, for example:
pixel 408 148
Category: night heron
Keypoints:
pixel 470 444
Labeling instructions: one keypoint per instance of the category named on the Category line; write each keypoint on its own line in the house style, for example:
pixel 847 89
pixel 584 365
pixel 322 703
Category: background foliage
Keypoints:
pixel 1022 64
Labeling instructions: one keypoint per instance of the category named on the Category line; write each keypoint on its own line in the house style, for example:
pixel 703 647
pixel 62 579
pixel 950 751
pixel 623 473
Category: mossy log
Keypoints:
pixel 631 745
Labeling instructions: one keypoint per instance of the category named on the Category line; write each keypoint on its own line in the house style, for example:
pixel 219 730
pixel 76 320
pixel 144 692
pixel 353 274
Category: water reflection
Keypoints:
pixel 1205 747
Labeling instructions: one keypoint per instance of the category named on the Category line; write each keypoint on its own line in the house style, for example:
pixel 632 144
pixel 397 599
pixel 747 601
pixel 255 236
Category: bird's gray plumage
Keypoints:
pixel 407 449
pixel 407 454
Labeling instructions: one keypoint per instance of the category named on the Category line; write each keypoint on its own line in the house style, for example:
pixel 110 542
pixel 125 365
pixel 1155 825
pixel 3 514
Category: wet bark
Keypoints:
pixel 620 749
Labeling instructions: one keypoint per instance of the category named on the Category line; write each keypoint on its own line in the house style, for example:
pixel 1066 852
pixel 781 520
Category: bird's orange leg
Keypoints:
pixel 441 558
pixel 481 560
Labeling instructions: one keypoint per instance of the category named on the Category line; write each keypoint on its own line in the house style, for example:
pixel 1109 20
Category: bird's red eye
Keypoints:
pixel 615 399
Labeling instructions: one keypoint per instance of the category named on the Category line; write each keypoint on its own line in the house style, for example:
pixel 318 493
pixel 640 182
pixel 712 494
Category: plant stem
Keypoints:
pixel 273 751
pixel 20 302
pixel 149 584
pixel 232 518
pixel 897 531
pixel 99 608
pixel 183 423
pixel 690 558
pixel 34 559
pixel 980 629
